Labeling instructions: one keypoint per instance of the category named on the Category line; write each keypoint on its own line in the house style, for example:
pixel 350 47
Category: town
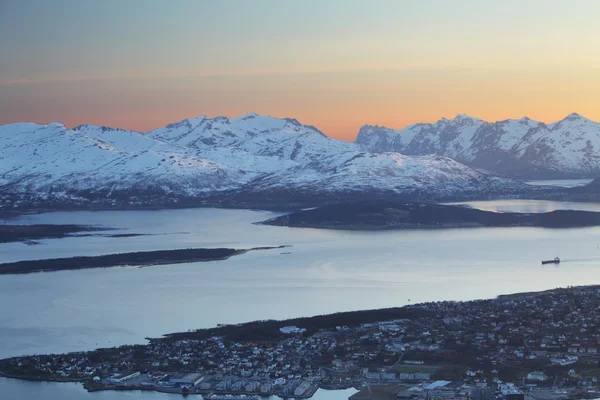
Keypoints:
pixel 543 346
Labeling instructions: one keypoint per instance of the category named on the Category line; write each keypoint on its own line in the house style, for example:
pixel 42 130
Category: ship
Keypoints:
pixel 556 260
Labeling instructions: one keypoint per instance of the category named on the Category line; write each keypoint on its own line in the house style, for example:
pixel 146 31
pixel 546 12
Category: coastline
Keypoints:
pixel 385 216
pixel 361 321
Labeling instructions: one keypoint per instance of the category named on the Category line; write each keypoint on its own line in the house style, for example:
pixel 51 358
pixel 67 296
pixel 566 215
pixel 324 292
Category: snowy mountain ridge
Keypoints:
pixel 522 148
pixel 201 157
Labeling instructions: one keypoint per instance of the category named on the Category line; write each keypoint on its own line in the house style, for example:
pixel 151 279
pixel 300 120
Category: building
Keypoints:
pixel 302 389
pixel 537 376
pixel 251 386
pixel 184 379
pixel 123 376
pixel 265 387
pixel 437 384
pixel 568 360
pixel 289 330
pixel 342 365
pixel 427 347
pixel 279 382
pixel 511 392
pixel 481 393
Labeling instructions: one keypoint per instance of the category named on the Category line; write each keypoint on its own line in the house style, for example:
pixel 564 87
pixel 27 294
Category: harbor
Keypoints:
pixel 211 387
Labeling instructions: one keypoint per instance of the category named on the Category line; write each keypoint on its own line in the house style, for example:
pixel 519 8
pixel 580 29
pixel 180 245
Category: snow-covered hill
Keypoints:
pixel 522 148
pixel 202 157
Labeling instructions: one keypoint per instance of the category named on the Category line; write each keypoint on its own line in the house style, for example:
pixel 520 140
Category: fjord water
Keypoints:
pixel 327 271
pixel 568 183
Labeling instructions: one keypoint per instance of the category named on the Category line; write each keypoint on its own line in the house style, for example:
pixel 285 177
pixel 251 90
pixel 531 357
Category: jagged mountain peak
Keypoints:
pixel 369 126
pixel 101 128
pixel 573 121
pixel 575 117
pixel 252 132
pixel 187 122
pixel 250 115
pixel 524 148
pixel 465 119
pixel 463 116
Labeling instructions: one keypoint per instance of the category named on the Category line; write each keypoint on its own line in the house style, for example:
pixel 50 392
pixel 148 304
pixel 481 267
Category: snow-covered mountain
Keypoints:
pixel 522 148
pixel 47 159
pixel 202 157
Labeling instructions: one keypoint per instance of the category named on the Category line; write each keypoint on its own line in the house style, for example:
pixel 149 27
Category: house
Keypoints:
pixel 573 348
pixel 537 376
pixel 289 330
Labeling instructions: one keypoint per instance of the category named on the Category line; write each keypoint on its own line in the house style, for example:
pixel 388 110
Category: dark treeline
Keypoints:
pixel 144 258
pixel 269 329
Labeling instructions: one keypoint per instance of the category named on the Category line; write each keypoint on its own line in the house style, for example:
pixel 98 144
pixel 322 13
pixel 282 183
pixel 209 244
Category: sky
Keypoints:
pixel 334 64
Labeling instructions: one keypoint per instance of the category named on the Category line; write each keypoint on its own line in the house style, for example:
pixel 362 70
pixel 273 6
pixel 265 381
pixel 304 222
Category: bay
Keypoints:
pixel 327 271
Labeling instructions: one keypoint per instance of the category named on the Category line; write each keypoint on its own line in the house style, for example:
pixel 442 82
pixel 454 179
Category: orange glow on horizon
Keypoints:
pixel 337 103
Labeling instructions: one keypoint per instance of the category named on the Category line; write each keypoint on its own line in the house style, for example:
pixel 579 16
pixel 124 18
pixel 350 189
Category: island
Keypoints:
pixel 540 345
pixel 30 233
pixel 134 259
pixel 390 215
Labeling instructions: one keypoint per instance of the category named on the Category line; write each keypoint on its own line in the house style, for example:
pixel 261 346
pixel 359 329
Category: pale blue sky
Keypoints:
pixel 167 44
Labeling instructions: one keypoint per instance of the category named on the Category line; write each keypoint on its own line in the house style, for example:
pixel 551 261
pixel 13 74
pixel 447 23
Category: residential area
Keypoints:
pixel 539 345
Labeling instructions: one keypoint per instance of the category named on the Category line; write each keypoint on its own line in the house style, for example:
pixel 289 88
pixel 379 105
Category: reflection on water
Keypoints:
pixel 529 206
pixel 568 183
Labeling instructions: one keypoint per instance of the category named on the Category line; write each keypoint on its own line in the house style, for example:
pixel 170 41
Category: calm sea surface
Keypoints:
pixel 560 182
pixel 327 271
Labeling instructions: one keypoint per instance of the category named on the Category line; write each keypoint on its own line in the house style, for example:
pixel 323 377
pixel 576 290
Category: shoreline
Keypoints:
pixel 361 392
pixel 40 378
pixel 388 216
pixel 32 233
pixel 105 388
pixel 361 322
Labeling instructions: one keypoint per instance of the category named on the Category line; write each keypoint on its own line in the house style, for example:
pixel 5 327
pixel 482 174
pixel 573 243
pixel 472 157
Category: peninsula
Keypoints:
pixel 136 259
pixel 389 215
pixel 544 344
pixel 24 233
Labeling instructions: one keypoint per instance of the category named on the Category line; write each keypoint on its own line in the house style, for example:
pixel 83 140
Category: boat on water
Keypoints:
pixel 556 260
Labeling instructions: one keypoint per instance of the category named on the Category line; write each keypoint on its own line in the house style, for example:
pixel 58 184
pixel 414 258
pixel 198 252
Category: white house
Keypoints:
pixel 537 376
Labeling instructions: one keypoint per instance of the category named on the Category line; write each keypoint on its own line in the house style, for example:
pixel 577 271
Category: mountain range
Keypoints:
pixel 253 156
pixel 519 148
